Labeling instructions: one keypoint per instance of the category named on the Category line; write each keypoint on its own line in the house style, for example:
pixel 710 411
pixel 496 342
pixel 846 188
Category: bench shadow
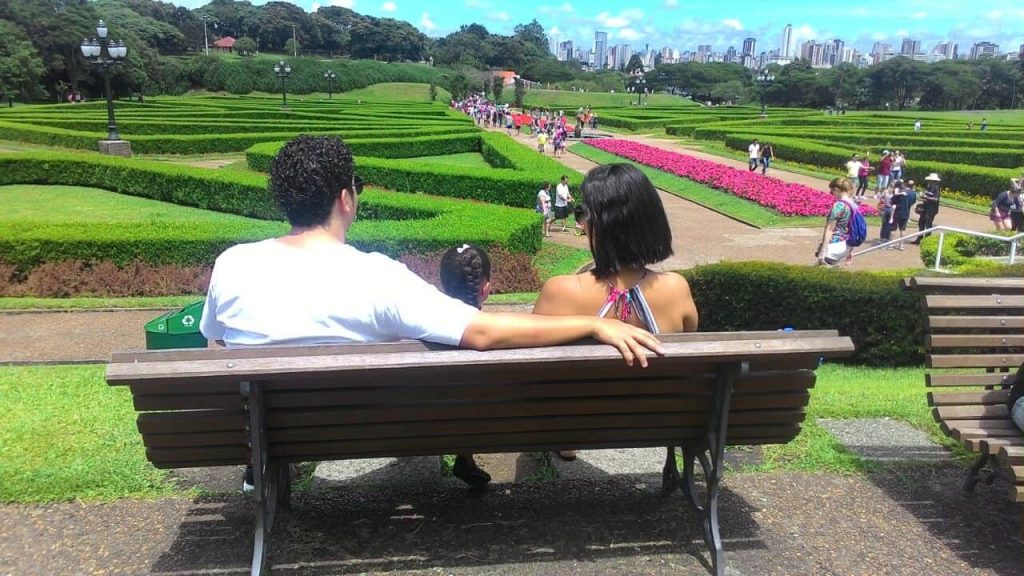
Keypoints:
pixel 359 528
pixel 983 528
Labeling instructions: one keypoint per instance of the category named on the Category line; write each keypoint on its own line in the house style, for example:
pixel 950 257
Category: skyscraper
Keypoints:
pixel 748 46
pixel 910 47
pixel 787 40
pixel 600 50
pixel 565 50
pixel 623 53
pixel 838 46
pixel 984 49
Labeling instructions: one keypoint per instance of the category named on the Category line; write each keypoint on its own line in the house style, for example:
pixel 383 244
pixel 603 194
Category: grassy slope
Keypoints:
pixel 67 435
pixel 73 204
pixel 404 91
pixel 595 99
pixel 734 207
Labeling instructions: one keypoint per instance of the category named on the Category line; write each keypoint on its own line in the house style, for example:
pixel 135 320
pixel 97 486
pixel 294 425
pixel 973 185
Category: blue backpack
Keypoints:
pixel 858 227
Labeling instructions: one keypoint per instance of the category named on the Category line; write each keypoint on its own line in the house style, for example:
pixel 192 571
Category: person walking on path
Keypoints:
pixel 1017 208
pixel 767 155
pixel 833 249
pixel 563 197
pixel 753 155
pixel 885 209
pixel 544 208
pixel 853 168
pixel 884 170
pixel 1003 207
pixel 898 161
pixel 902 199
pixel 862 177
pixel 929 207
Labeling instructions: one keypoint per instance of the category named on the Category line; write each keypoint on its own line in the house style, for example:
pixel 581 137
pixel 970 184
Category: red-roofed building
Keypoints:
pixel 225 44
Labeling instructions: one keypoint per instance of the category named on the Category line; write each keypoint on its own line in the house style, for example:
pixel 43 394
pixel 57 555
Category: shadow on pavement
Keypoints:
pixel 619 522
pixel 983 529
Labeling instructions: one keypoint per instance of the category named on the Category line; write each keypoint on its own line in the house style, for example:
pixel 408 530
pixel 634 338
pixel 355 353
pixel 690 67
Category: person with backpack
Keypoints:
pixel 845 227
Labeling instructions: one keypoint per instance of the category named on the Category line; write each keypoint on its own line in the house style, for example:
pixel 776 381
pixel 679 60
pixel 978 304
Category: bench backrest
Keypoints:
pixel 411 398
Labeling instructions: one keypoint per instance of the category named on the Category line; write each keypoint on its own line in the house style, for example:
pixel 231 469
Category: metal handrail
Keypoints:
pixel 941 230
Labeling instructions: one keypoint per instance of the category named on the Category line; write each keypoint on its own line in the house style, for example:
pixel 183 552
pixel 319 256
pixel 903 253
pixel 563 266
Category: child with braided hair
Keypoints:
pixel 466 276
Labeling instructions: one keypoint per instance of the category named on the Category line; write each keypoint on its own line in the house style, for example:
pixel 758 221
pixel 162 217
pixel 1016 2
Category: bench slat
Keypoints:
pixel 939 341
pixel 966 398
pixel 1012 454
pixel 990 379
pixel 469 361
pixel 404 346
pixel 980 322
pixel 526 440
pixel 948 426
pixel 991 445
pixel 963 433
pixel 234 438
pixel 945 413
pixel 974 360
pixel 525 409
pixel 974 302
pixel 964 284
pixel 192 421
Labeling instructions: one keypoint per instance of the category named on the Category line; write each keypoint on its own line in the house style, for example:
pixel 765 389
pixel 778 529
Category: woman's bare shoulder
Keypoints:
pixel 559 295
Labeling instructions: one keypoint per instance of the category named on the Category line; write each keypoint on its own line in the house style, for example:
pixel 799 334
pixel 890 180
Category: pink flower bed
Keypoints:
pixel 784 197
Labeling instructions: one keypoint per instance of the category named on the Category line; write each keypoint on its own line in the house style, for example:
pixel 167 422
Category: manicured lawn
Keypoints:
pixel 67 435
pixel 74 204
pixel 854 392
pixel 407 91
pixel 732 206
pixel 167 302
pixel 466 160
pixel 574 100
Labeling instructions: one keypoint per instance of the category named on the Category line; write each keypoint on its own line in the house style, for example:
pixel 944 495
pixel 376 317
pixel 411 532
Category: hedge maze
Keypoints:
pixel 411 205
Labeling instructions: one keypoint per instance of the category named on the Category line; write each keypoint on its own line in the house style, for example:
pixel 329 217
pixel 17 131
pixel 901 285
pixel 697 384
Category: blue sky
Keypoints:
pixel 684 24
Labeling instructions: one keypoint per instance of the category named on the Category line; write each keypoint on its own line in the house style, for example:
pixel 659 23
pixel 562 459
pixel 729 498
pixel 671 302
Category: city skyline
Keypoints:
pixel 684 25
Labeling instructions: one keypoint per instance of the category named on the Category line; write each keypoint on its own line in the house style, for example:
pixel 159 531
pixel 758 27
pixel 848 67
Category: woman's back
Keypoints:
pixel 666 295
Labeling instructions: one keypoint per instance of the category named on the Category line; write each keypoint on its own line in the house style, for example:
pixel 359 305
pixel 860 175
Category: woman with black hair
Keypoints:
pixel 627 228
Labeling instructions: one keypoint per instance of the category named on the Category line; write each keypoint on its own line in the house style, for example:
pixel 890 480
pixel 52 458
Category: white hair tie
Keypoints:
pixel 463 248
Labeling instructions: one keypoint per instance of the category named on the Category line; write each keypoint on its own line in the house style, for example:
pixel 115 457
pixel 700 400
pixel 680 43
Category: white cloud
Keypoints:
pixel 879 36
pixel 671 3
pixel 426 22
pixel 628 34
pixel 315 7
pixel 733 23
pixel 389 7
pixel 920 15
pixel 350 4
pixel 554 31
pixel 804 33
pixel 500 16
pixel 622 20
pixel 902 33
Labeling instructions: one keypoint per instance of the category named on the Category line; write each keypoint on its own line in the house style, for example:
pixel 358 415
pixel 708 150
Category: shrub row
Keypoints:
pixel 198 143
pixel 513 182
pixel 960 250
pixel 134 128
pixel 979 181
pixel 885 323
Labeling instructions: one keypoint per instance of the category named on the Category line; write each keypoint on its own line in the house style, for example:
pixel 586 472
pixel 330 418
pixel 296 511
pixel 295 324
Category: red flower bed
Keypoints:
pixel 784 197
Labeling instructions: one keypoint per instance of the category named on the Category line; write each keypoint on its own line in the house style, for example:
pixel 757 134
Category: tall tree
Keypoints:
pixel 21 68
pixel 533 35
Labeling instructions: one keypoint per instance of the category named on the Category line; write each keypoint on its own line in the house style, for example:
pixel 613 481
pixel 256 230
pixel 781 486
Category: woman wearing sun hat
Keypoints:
pixel 929 204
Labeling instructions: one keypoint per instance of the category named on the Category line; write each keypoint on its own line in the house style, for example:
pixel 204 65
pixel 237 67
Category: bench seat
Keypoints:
pixel 272 406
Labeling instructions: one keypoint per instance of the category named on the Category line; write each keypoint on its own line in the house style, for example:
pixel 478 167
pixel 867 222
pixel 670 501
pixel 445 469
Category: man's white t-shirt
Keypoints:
pixel 270 293
pixel 853 168
pixel 562 195
pixel 754 150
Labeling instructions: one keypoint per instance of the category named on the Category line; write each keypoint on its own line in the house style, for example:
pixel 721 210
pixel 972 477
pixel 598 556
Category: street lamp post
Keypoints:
pixel 107 53
pixel 639 85
pixel 283 71
pixel 330 76
pixel 765 79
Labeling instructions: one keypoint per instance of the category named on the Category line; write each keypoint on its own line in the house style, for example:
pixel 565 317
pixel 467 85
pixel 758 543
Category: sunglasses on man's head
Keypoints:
pixel 357 184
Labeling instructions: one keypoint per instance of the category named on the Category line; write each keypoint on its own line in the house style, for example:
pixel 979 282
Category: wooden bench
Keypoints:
pixel 976 341
pixel 273 405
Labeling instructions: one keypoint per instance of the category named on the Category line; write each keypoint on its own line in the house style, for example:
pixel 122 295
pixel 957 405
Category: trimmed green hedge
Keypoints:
pixel 885 322
pixel 231 192
pixel 513 182
pixel 961 250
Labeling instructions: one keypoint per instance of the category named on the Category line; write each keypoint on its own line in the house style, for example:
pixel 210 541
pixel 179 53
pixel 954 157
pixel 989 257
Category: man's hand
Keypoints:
pixel 631 341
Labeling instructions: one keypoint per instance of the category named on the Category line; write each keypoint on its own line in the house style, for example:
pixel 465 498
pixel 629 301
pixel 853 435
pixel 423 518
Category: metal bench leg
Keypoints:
pixel 267 475
pixel 710 453
pixel 974 473
pixel 670 480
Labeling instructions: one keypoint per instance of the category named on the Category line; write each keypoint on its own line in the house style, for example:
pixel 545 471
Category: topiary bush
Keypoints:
pixel 963 250
pixel 885 322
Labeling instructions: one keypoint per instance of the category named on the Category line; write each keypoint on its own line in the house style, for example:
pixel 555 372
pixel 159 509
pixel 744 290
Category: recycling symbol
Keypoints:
pixel 188 321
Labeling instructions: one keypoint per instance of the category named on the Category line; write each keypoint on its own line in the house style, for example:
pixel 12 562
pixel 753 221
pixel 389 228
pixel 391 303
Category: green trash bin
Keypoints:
pixel 176 329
